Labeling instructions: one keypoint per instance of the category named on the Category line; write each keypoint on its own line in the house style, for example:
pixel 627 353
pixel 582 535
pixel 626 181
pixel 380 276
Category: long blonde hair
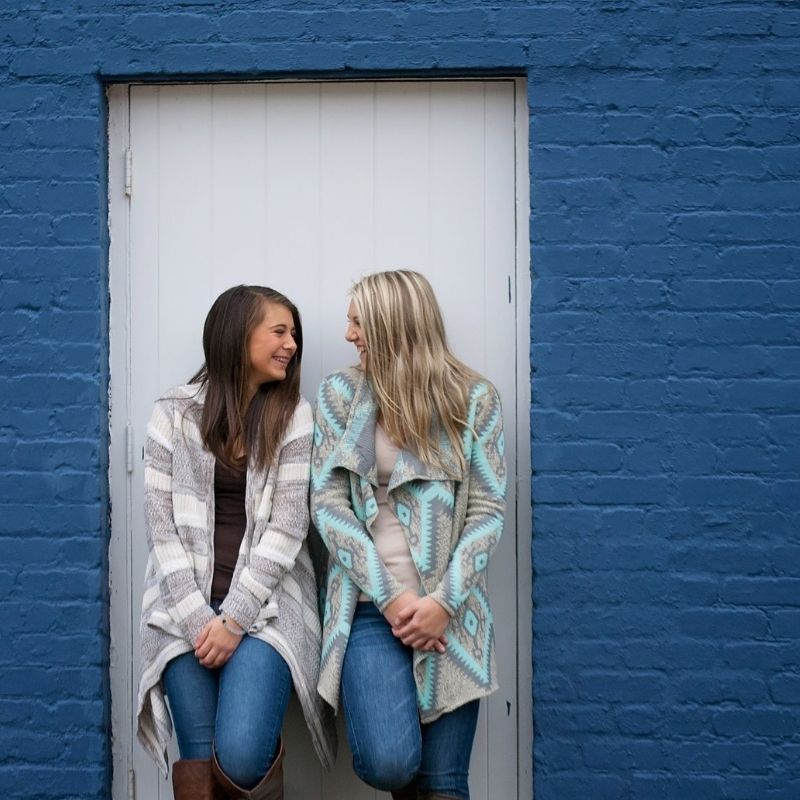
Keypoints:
pixel 421 388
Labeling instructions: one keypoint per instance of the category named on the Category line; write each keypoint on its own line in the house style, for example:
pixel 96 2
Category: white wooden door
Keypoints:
pixel 304 187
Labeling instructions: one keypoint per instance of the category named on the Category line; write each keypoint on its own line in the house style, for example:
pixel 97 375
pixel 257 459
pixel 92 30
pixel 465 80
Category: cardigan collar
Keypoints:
pixel 355 450
pixel 197 394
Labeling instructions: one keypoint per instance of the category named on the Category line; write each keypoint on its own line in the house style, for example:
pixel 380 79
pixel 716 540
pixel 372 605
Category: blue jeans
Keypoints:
pixel 237 710
pixel 390 747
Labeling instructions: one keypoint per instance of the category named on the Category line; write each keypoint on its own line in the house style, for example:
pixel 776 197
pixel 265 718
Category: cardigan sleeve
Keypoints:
pixel 173 566
pixel 485 501
pixel 275 553
pixel 345 536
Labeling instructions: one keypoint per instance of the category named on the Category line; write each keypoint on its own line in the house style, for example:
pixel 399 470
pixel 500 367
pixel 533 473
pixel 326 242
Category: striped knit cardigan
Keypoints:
pixel 273 590
pixel 452 526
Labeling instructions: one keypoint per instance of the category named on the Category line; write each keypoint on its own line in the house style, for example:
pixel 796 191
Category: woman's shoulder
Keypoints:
pixel 184 393
pixel 341 383
pixel 302 422
pixel 482 390
pixel 484 401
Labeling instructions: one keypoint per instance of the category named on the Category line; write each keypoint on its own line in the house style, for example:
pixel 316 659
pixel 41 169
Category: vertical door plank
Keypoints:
pixel 239 225
pixel 402 176
pixel 185 241
pixel 346 206
pixel 145 228
pixel 457 214
pixel 458 258
pixel 292 183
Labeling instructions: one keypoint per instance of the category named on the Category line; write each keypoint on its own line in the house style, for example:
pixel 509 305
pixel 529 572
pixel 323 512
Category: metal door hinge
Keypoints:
pixel 129 448
pixel 128 172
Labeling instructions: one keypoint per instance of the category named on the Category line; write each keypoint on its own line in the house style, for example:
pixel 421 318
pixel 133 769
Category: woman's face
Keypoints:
pixel 271 345
pixel 354 334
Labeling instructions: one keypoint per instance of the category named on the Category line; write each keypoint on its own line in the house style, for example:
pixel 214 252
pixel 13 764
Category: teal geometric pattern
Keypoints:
pixel 452 523
pixel 431 506
pixel 472 652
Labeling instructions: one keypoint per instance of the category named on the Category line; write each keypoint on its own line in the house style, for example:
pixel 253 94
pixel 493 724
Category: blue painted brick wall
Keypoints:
pixel 665 341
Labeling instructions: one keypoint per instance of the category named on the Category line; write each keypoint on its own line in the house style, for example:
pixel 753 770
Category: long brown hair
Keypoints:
pixel 228 423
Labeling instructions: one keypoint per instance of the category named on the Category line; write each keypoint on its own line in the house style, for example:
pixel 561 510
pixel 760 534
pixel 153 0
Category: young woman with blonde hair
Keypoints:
pixel 408 494
pixel 229 613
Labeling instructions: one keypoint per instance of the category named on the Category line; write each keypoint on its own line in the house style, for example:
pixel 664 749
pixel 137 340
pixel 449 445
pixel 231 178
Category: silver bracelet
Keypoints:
pixel 226 623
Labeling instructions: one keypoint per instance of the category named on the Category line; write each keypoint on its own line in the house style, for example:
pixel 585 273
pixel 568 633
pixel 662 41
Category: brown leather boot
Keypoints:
pixel 406 793
pixel 270 787
pixel 436 796
pixel 192 779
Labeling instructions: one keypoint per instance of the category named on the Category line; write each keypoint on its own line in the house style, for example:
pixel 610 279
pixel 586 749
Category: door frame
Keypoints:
pixel 121 456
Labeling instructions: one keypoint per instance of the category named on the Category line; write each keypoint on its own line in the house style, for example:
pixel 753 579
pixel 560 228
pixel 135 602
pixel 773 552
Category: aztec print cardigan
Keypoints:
pixel 452 526
pixel 273 592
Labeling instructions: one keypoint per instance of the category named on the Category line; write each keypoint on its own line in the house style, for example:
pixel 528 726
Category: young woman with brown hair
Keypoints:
pixel 229 616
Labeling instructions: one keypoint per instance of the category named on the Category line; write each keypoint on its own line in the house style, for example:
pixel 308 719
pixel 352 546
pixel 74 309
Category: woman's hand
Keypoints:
pixel 421 624
pixel 215 645
pixel 397 605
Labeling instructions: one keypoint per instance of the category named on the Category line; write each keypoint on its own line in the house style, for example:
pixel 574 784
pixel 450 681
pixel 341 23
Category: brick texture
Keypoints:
pixel 665 350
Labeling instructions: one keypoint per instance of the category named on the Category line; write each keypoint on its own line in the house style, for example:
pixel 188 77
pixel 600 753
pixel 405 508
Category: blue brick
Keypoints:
pixel 785 689
pixel 645 787
pixel 718 623
pixel 766 195
pixel 600 787
pixel 156 27
pixel 722 361
pixel 610 687
pixel 782 93
pixel 768 723
pixel 599 393
pixel 638 721
pixel 763 394
pixel 724 757
pixel 786 294
pixel 578 457
pixel 705 294
pixel 619 426
pixel 720 687
pixel 711 161
pixel 720 128
pixel 761 591
pixel 731 227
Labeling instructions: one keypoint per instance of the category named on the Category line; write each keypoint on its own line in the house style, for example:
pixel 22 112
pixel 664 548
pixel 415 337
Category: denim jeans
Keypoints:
pixel 390 747
pixel 237 710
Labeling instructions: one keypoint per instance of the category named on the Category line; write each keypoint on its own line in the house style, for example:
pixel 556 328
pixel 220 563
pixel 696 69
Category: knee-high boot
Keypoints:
pixel 193 779
pixel 270 787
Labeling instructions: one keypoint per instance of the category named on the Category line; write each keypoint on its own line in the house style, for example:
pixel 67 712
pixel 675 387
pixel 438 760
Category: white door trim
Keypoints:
pixel 120 579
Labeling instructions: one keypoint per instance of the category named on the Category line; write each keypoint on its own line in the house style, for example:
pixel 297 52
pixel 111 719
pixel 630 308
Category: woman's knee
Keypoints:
pixel 388 767
pixel 242 760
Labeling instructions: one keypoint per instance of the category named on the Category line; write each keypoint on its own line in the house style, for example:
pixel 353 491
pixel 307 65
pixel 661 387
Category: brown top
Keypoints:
pixel 230 522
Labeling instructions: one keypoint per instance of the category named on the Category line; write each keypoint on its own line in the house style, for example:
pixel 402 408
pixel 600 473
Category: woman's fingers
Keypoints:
pixel 405 614
pixel 204 649
pixel 202 637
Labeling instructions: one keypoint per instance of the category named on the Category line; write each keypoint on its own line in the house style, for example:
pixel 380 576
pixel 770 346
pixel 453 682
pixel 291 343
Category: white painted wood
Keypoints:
pixel 305 187
pixel 119 483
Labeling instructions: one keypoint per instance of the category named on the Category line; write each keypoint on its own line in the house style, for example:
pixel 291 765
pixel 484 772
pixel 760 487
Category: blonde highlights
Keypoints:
pixel 421 388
